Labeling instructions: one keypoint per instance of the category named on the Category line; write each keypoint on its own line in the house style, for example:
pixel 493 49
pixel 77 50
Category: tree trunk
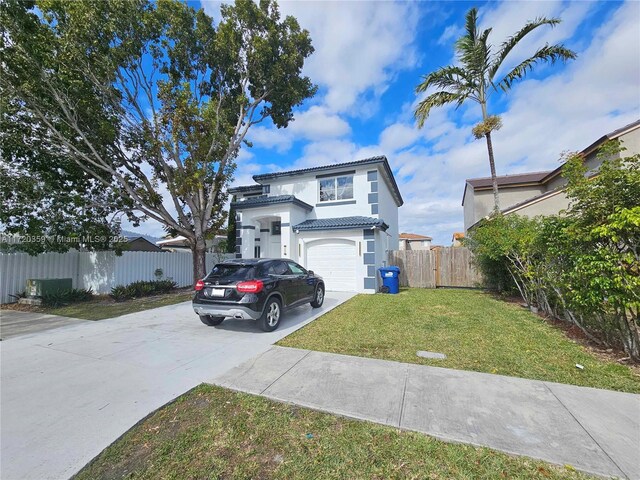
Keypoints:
pixel 494 179
pixel 199 251
pixel 629 334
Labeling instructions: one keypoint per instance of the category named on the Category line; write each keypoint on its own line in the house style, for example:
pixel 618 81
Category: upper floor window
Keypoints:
pixel 336 188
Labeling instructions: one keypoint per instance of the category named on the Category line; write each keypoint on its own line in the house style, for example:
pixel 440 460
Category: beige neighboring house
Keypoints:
pixel 412 241
pixel 537 193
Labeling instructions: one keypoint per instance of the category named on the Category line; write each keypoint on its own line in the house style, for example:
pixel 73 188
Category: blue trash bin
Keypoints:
pixel 390 278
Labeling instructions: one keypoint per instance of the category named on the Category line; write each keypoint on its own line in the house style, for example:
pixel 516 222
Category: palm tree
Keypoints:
pixel 475 78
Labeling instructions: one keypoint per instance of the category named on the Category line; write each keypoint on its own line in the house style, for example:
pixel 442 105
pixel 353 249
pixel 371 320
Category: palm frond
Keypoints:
pixel 545 54
pixel 473 49
pixel 512 41
pixel 451 77
pixel 437 99
pixel 471 24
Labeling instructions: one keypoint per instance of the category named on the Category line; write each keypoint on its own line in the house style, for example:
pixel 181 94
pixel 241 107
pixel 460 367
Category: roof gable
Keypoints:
pixel 379 160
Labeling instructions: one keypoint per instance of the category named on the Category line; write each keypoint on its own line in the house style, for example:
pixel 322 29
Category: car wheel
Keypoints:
pixel 270 318
pixel 210 320
pixel 318 297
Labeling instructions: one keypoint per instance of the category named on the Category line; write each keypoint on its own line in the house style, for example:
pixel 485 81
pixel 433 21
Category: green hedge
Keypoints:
pixel 582 265
pixel 63 297
pixel 142 289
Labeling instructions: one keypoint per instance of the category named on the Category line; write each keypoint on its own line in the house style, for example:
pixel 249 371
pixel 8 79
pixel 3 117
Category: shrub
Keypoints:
pixel 142 289
pixel 581 266
pixel 63 297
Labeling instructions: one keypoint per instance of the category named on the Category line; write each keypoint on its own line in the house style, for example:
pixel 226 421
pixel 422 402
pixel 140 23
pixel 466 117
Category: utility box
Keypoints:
pixel 40 287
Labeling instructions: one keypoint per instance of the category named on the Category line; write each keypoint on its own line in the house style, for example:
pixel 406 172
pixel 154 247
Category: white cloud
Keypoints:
pixel 588 98
pixel 359 47
pixel 568 110
pixel 507 18
pixel 316 123
pixel 450 33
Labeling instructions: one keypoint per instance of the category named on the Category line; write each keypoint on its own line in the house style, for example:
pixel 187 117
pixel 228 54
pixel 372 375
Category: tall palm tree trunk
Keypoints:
pixel 494 179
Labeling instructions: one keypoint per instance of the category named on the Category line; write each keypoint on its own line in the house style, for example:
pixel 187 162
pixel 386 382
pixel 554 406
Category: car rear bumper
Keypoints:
pixel 233 311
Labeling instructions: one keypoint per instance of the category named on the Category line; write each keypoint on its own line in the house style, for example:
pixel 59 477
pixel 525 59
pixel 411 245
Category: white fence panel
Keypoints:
pixel 100 271
pixel 134 266
pixel 96 271
pixel 16 268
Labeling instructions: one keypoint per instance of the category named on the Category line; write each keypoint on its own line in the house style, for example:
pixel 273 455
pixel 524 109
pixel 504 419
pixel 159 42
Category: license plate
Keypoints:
pixel 216 292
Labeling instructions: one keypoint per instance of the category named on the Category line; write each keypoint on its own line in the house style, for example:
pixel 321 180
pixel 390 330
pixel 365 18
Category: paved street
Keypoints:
pixel 597 431
pixel 69 392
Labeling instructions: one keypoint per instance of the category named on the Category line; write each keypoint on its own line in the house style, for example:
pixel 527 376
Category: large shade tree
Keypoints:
pixel 153 100
pixel 476 77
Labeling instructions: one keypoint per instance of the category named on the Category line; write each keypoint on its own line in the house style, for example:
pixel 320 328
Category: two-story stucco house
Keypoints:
pixel 538 193
pixel 338 220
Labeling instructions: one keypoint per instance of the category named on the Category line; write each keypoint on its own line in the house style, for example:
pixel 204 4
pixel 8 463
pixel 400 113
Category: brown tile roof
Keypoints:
pixel 595 145
pixel 414 236
pixel 458 235
pixel 504 180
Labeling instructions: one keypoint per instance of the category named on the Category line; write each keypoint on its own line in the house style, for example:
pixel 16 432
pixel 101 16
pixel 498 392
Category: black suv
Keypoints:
pixel 255 289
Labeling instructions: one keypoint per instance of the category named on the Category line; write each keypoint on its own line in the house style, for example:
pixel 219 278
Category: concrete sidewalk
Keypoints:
pixel 597 431
pixel 67 393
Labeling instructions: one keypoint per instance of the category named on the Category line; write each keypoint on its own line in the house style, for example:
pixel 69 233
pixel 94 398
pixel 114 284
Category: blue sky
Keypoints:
pixel 370 56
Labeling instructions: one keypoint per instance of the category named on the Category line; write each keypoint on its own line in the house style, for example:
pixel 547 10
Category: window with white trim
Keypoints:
pixel 336 188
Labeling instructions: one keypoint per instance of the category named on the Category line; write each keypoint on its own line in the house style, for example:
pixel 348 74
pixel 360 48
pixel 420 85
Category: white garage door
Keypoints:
pixel 335 261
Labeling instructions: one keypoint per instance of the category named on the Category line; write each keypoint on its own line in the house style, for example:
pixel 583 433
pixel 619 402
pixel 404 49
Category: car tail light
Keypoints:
pixel 199 285
pixel 253 286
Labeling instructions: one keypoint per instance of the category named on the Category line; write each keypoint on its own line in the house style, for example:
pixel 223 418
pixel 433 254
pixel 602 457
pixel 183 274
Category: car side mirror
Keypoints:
pixel 310 272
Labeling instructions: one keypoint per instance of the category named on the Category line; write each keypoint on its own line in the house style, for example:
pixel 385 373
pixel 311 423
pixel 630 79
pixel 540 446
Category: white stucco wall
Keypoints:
pixel 388 212
pixel 306 188
pixel 371 246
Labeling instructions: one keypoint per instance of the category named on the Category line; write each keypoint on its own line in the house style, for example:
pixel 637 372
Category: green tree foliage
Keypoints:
pixel 152 100
pixel 48 202
pixel 583 265
pixel 476 76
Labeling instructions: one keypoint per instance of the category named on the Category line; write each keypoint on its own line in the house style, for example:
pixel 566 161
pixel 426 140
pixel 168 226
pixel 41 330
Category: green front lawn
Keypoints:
pixel 104 307
pixel 476 332
pixel 211 432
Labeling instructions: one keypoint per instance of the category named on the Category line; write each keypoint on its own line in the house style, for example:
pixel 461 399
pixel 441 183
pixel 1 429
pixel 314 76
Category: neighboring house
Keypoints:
pixel 538 193
pixel 456 239
pixel 412 241
pixel 140 244
pixel 180 244
pixel 338 220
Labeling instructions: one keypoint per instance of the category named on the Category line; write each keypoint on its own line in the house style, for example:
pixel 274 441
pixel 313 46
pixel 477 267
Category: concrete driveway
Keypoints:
pixel 15 323
pixel 68 393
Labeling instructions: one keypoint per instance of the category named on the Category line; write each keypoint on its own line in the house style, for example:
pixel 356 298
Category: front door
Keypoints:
pixel 274 239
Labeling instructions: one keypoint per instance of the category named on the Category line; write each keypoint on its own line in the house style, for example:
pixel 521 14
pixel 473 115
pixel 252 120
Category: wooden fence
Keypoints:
pixel 440 267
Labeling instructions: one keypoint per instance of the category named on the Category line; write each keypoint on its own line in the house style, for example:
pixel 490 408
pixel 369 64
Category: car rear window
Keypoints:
pixel 232 272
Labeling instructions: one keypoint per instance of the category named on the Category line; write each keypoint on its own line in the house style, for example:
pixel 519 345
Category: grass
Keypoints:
pixel 476 332
pixel 103 307
pixel 211 432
